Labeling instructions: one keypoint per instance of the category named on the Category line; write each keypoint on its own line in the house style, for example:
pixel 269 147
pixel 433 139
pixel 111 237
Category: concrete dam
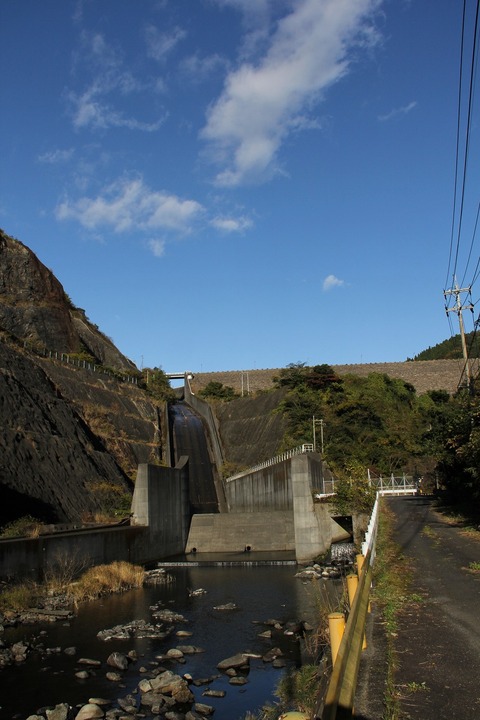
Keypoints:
pixel 277 507
pixel 188 509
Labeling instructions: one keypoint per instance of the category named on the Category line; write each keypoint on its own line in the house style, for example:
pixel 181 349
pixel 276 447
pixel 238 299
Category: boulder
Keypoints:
pixel 117 660
pixel 59 712
pixel 90 711
pixel 235 661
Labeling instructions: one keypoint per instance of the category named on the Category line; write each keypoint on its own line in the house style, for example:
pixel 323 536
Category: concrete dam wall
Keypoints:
pixel 271 509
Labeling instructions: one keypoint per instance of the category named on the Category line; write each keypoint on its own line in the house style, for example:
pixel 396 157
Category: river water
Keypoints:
pixel 260 593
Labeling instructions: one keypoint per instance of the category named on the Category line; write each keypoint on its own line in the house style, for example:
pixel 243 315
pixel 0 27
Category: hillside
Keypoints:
pixel 72 433
pixel 35 309
pixel 70 438
pixel 424 376
pixel 452 348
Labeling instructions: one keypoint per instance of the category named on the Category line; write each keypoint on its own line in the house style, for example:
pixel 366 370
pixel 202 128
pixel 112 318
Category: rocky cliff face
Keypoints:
pixel 70 438
pixel 35 308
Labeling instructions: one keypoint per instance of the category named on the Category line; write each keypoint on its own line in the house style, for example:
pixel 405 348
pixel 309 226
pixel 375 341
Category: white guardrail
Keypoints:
pixel 305 448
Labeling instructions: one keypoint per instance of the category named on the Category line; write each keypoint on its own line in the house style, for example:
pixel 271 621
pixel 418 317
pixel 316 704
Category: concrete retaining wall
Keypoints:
pixel 272 509
pixel 160 501
pixel 234 532
pixel 268 489
pixel 161 513
pixel 29 558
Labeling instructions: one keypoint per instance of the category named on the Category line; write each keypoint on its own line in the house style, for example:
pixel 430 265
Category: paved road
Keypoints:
pixel 438 643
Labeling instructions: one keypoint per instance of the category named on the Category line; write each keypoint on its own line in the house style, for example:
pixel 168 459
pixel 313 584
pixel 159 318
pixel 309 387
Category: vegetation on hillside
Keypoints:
pixel 451 349
pixel 380 423
pixel 157 385
pixel 218 391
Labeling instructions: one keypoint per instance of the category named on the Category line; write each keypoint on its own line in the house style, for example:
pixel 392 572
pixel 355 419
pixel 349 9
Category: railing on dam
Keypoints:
pixel 301 449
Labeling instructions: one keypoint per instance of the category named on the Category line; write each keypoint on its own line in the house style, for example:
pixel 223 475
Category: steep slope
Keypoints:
pixel 48 454
pixel 70 438
pixel 250 429
pixel 35 308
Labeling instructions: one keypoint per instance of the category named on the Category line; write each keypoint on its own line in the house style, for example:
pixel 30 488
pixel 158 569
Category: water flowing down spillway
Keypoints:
pixel 188 437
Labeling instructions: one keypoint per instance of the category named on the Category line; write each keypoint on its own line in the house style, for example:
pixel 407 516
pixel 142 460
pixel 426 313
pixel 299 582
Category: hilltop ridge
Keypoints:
pixel 424 375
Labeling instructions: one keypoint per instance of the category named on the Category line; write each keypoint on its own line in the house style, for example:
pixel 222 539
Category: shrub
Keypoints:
pixel 26 526
pixel 62 570
pixel 19 597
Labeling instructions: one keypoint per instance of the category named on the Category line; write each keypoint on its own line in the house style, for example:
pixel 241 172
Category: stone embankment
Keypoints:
pixel 424 375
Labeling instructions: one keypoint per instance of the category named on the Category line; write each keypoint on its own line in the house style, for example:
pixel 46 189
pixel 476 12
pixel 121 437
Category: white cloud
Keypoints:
pixel 95 106
pixel 330 282
pixel 88 109
pixel 130 205
pixel 199 68
pixel 309 50
pixel 157 247
pixel 55 157
pixel 159 44
pixel 398 111
pixel 230 224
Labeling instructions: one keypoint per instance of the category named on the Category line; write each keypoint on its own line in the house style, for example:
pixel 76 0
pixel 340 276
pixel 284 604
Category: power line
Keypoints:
pixel 458 221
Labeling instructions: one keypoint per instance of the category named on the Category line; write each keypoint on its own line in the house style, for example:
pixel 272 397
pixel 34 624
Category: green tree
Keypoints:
pixel 293 376
pixel 157 384
pixel 215 390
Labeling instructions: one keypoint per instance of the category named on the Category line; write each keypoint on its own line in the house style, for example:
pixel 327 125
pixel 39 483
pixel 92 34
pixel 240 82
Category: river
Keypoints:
pixel 260 593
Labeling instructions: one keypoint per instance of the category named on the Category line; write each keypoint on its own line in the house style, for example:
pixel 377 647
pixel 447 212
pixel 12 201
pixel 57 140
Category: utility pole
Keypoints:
pixel 458 308
pixel 320 422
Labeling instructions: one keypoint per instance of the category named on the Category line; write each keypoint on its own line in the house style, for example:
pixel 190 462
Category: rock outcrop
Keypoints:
pixel 35 308
pixel 70 438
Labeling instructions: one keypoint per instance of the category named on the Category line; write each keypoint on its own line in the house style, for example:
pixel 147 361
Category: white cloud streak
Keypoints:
pixel 159 44
pixel 331 282
pixel 130 205
pixel 309 50
pixel 56 157
pixel 231 224
pixel 157 247
pixel 94 107
pixel 398 111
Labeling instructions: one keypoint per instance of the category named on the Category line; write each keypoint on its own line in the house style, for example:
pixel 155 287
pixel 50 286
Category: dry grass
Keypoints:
pixel 326 599
pixel 106 579
pixel 20 597
pixel 59 580
pixel 26 526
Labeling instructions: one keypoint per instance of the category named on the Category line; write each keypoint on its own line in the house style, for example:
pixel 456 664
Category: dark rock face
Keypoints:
pixel 68 436
pixel 35 309
pixel 48 453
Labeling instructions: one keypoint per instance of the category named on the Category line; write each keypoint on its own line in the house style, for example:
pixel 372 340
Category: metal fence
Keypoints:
pixel 393 485
pixel 305 448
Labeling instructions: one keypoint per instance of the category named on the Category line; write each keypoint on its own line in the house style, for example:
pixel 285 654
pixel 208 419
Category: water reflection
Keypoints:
pixel 261 593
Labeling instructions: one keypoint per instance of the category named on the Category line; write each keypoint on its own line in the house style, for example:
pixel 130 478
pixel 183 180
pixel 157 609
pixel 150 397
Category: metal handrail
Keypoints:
pixel 305 448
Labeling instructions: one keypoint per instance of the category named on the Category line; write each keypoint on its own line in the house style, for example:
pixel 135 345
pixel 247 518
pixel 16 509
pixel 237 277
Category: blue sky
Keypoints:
pixel 239 184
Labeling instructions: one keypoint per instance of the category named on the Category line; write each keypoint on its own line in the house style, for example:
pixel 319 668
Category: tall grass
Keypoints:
pixel 19 597
pixel 392 577
pixel 59 580
pixel 105 579
pixel 326 598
